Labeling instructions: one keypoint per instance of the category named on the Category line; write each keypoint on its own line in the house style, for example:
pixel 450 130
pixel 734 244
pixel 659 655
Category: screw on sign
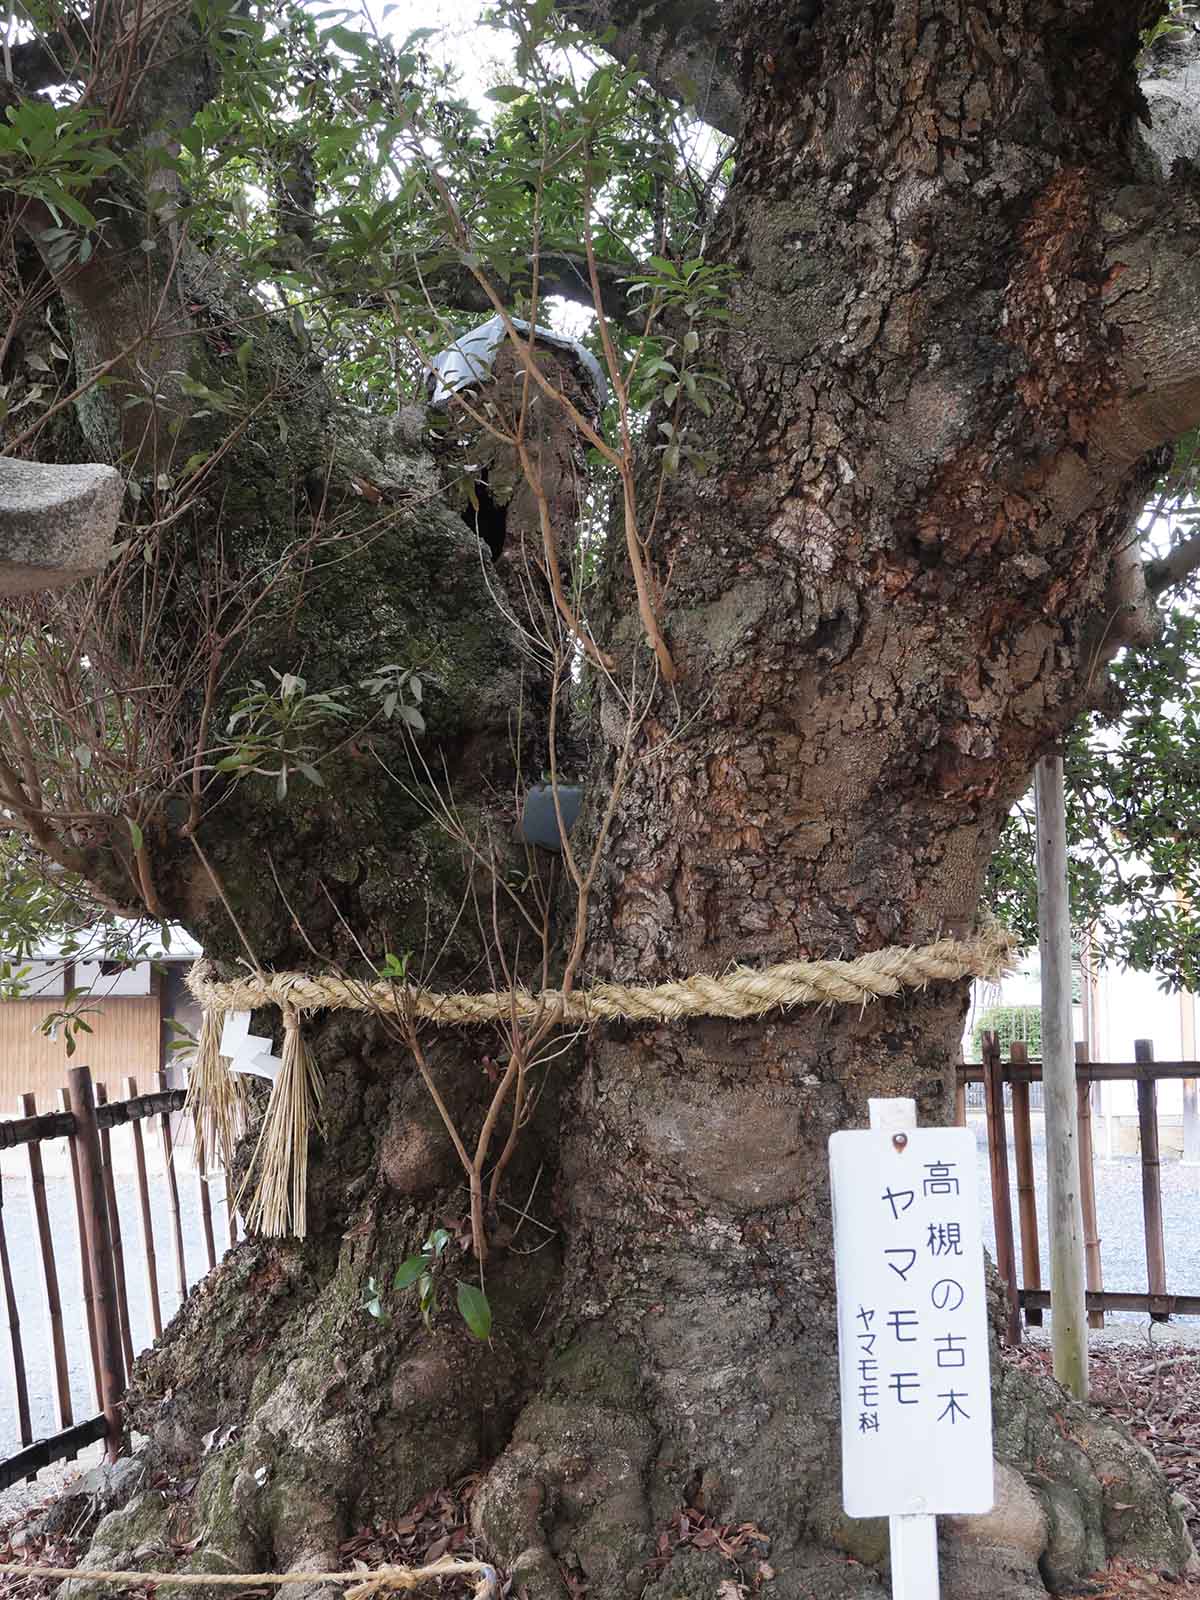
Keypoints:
pixel 912 1333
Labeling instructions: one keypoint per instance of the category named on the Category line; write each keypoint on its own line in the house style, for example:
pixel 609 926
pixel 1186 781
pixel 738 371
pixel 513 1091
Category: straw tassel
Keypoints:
pixel 216 1098
pixel 279 1168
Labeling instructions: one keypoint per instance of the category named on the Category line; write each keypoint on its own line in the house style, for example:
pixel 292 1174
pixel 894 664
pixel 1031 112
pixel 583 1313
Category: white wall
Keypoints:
pixel 1130 1005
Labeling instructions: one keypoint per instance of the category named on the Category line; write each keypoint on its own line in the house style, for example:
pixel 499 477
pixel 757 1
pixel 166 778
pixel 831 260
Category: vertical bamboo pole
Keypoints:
pixel 95 1211
pixel 1068 1305
pixel 1031 1259
pixel 114 1233
pixel 12 1312
pixel 1147 1098
pixel 1087 1187
pixel 173 1193
pixel 44 1246
pixel 993 1096
pixel 210 1244
pixel 147 1222
pixel 85 1266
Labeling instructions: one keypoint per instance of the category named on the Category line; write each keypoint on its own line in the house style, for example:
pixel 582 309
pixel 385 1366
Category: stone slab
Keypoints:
pixel 56 522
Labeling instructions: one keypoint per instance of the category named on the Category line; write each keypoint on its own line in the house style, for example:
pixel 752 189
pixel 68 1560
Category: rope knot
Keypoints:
pixel 384 1580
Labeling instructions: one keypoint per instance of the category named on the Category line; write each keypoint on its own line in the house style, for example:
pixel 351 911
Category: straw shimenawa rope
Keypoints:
pixel 277 1172
pixel 741 992
pixel 380 1581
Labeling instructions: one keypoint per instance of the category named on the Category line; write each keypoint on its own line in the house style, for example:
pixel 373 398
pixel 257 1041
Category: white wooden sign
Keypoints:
pixel 912 1320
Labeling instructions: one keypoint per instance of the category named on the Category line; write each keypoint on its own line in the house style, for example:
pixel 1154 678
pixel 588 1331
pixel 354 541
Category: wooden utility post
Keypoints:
pixel 1068 1305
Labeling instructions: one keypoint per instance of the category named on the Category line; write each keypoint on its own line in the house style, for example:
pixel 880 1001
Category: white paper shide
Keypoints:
pixel 912 1323
pixel 246 1051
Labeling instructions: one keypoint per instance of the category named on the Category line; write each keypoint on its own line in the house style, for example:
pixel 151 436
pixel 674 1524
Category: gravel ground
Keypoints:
pixel 1122 1232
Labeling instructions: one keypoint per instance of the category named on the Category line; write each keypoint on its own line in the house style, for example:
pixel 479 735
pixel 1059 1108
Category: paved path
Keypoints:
pixel 1119 1209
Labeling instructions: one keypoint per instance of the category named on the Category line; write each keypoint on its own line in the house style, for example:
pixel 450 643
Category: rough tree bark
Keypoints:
pixel 967 315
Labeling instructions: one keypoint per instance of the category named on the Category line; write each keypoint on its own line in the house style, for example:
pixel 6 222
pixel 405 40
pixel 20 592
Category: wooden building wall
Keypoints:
pixel 126 1039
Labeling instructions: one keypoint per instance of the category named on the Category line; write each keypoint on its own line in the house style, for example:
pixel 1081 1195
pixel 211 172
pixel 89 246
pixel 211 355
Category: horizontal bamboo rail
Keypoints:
pixel 60 1446
pixel 1091 1071
pixel 61 1124
pixel 1163 1305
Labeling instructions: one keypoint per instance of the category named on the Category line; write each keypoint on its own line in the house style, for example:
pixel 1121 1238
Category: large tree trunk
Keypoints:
pixel 897 585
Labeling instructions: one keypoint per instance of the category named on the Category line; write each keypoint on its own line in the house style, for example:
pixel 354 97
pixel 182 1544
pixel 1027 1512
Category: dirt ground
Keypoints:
pixel 1153 1387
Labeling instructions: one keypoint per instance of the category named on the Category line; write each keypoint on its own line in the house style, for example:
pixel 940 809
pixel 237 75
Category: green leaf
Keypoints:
pixel 136 834
pixel 475 1310
pixel 507 93
pixel 75 209
pixel 355 44
pixel 409 1271
pixel 425 1291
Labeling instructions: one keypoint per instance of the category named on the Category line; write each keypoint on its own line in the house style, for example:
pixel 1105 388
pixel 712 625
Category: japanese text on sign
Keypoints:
pixel 912 1323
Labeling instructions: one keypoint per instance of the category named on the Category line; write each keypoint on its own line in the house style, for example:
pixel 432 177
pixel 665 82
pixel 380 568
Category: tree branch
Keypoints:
pixel 559 272
pixel 1174 568
pixel 1151 298
pixel 42 62
pixel 683 50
